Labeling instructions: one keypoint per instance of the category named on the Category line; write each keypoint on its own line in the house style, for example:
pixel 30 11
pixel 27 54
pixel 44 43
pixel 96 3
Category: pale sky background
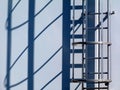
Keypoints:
pixel 45 46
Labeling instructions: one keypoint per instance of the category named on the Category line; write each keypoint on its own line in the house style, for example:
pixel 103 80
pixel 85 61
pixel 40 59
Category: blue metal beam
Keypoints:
pixel 66 46
pixel 31 44
pixel 91 37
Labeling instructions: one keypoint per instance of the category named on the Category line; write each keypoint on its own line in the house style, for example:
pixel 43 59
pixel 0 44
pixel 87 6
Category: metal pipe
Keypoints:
pixel 73 38
pixel 102 39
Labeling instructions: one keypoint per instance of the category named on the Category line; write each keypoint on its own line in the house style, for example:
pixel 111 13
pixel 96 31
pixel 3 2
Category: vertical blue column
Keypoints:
pixel 91 37
pixel 9 23
pixel 31 44
pixel 66 46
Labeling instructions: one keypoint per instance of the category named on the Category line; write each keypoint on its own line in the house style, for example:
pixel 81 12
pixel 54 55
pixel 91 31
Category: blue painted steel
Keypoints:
pixel 91 37
pixel 31 44
pixel 66 46
pixel 66 43
pixel 9 23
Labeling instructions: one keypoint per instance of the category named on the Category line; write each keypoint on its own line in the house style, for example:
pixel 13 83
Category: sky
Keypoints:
pixel 51 37
pixel 115 44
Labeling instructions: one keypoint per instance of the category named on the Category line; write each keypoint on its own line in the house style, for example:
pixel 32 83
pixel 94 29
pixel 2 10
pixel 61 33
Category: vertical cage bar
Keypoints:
pixel 101 4
pixel 73 38
pixel 83 39
pixel 108 38
pixel 86 35
pixel 90 48
pixel 98 44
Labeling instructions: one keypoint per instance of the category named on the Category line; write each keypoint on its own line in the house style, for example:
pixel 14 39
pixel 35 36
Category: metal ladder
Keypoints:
pixel 77 53
pixel 102 45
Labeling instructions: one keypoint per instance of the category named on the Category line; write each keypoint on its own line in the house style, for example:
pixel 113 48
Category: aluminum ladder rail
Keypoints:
pixel 102 59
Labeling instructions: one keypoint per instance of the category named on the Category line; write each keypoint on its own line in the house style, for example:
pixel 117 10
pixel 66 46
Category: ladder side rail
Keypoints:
pixel 73 38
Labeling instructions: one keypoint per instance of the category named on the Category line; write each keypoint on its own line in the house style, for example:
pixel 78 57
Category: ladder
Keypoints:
pixel 101 59
pixel 77 52
pixel 72 24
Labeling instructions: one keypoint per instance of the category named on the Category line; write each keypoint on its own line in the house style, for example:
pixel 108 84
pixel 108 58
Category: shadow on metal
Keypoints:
pixel 25 22
pixel 77 86
pixel 9 28
pixel 37 69
pixel 27 48
pixel 51 80
pixel 34 40
pixel 10 12
pixel 80 21
pixel 9 40
pixel 105 18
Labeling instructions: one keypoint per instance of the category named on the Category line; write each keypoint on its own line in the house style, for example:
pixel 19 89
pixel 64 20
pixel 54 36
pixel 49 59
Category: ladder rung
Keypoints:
pixel 92 88
pixel 91 80
pixel 76 36
pixel 96 73
pixel 77 80
pixel 92 42
pixel 93 58
pixel 98 80
pixel 94 28
pixel 77 65
pixel 96 13
pixel 77 7
pixel 76 51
